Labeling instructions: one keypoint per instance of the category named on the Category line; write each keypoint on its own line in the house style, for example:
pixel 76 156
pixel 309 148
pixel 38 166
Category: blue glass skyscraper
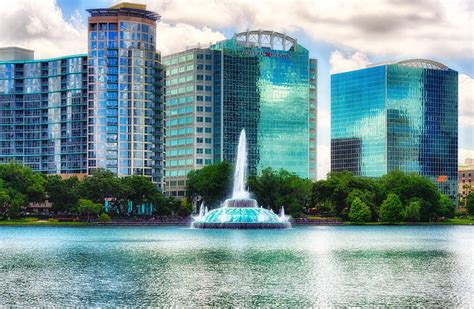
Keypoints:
pixel 43 111
pixel 125 109
pixel 398 116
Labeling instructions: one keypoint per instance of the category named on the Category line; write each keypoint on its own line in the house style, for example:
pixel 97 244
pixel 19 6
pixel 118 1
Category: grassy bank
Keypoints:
pixel 452 221
pixel 36 221
pixel 55 222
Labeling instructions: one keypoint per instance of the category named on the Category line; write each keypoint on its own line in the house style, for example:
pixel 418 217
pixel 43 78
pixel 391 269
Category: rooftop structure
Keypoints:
pixel 125 9
pixel 14 53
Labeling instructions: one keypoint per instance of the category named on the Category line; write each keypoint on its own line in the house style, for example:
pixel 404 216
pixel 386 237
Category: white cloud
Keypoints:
pixel 339 63
pixel 466 101
pixel 464 154
pixel 175 38
pixel 40 25
pixel 388 27
pixel 324 161
pixel 400 28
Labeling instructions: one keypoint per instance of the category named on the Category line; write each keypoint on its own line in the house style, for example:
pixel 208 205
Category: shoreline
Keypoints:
pixel 456 221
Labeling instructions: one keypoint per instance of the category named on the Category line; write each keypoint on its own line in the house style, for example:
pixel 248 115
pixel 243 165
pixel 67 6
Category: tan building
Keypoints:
pixel 466 178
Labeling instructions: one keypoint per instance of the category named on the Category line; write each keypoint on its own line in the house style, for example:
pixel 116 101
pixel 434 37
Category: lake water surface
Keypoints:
pixel 177 266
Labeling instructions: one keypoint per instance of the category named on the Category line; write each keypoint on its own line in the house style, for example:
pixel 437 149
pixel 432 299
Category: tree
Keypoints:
pixel 63 194
pixel 100 185
pixel 359 212
pixel 140 190
pixel 88 207
pixel 340 189
pixel 409 186
pixel 275 189
pixel 368 197
pixel 392 210
pixel 413 211
pixel 211 183
pixel 446 208
pixel 470 203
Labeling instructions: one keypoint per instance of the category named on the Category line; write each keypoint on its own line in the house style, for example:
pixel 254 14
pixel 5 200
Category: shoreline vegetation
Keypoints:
pixel 32 221
pixel 341 199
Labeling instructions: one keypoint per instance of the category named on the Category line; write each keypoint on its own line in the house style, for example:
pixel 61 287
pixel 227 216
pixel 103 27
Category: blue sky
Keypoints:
pixel 342 35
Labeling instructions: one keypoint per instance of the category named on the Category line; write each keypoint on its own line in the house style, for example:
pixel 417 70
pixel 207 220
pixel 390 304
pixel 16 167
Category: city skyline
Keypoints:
pixel 56 28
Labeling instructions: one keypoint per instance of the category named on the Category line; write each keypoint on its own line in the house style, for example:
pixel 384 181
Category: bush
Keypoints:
pixel 460 213
pixel 392 210
pixel 470 203
pixel 104 217
pixel 360 212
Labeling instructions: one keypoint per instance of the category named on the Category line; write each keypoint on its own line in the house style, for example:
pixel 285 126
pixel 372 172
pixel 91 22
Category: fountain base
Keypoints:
pixel 241 214
pixel 242 226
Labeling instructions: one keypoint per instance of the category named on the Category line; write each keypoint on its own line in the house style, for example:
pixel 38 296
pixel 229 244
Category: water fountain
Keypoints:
pixel 240 211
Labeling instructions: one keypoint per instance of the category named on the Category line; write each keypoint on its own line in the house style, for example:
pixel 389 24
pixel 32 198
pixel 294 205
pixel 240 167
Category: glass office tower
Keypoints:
pixel 262 84
pixel 398 116
pixel 125 107
pixel 43 111
pixel 262 81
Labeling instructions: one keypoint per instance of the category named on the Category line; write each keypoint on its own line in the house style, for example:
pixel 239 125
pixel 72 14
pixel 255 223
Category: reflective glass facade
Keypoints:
pixel 401 116
pixel 43 114
pixel 267 92
pixel 213 93
pixel 124 89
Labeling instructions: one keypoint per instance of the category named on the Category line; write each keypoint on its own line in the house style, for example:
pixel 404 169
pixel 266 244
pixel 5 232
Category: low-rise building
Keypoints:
pixel 466 178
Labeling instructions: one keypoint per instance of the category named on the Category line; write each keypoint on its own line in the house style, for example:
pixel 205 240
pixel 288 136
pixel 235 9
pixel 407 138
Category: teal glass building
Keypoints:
pixel 43 111
pixel 125 120
pixel 262 81
pixel 397 116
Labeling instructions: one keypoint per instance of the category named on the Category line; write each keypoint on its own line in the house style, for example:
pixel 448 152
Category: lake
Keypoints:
pixel 177 266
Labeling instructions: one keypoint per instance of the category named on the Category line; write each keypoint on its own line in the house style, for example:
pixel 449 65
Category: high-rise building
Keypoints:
pixel 397 116
pixel 260 81
pixel 125 108
pixel 43 111
pixel 189 115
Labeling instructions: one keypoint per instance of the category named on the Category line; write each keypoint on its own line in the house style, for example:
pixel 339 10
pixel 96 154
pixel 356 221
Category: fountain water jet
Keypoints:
pixel 240 211
pixel 239 190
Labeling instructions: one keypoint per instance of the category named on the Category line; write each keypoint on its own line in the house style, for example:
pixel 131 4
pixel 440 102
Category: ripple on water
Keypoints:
pixel 301 267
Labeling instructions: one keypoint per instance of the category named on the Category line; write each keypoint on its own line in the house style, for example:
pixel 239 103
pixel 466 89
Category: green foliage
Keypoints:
pixel 460 213
pixel 359 212
pixel 275 189
pixel 63 194
pixel 211 183
pixel 470 203
pixel 104 217
pixel 409 186
pixel 88 207
pixel 100 185
pixel 341 188
pixel 19 186
pixel 392 210
pixel 140 190
pixel 413 211
pixel 446 208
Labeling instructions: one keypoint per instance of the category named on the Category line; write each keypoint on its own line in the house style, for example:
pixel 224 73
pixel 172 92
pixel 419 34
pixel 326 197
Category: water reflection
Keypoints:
pixel 301 267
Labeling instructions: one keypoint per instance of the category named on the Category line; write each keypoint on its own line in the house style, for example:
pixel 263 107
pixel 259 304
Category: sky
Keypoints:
pixel 342 34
